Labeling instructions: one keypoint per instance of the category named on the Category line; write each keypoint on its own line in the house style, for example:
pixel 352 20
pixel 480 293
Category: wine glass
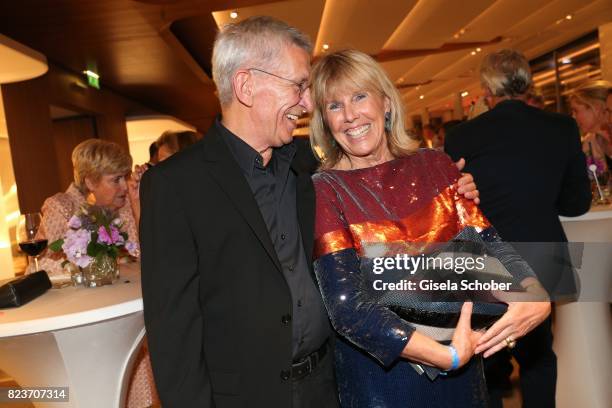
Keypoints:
pixel 27 228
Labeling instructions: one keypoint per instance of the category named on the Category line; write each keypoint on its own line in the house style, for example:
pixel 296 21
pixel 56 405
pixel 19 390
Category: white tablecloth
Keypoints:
pixel 81 338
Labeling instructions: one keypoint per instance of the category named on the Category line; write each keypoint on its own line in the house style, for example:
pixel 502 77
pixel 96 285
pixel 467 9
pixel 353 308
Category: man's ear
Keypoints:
pixel 242 82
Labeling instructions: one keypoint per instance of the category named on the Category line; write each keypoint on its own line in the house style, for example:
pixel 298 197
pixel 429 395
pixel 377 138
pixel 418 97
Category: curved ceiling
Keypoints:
pixel 158 51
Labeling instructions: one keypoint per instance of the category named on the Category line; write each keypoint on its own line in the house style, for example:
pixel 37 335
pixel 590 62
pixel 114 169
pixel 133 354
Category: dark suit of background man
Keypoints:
pixel 529 167
pixel 233 315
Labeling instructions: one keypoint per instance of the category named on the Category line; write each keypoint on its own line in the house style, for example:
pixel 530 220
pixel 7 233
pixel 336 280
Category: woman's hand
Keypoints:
pixel 466 185
pixel 465 339
pixel 522 316
pixel 134 182
pixel 134 190
pixel 424 349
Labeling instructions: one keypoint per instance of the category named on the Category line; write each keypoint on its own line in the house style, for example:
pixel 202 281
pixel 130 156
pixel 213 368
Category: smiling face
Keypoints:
pixel 356 119
pixel 110 191
pixel 278 103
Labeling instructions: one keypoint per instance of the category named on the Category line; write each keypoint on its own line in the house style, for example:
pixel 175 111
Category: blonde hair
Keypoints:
pixel 353 69
pixel 254 42
pixel 592 94
pixel 94 158
pixel 506 73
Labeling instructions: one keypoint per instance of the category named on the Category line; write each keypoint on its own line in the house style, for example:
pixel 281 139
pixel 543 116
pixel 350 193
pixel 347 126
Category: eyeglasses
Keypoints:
pixel 301 86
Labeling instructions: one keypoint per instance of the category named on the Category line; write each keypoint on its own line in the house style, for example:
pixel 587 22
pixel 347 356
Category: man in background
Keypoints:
pixel 529 167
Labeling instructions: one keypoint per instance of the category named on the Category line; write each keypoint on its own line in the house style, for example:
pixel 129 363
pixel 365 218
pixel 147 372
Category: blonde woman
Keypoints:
pixel 589 107
pixel 376 192
pixel 101 177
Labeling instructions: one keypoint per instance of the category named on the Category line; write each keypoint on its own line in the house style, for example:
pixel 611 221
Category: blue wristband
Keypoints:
pixel 454 357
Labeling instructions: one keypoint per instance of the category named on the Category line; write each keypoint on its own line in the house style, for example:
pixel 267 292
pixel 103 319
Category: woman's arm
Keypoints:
pixel 55 211
pixel 354 313
pixel 357 316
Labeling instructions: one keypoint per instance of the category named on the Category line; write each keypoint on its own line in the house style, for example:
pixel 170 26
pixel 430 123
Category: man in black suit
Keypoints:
pixel 530 169
pixel 233 315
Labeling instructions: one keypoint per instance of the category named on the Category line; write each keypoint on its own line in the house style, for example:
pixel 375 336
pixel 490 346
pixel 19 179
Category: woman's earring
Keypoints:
pixel 388 121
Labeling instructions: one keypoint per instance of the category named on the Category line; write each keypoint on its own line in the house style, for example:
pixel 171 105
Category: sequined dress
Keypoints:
pixel 407 200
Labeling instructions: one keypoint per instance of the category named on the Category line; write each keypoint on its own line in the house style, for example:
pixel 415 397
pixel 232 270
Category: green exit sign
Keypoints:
pixel 93 79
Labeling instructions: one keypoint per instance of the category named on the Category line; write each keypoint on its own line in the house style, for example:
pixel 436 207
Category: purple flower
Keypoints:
pixel 600 168
pixel 75 247
pixel 103 236
pixel 74 222
pixel 116 236
pixel 132 248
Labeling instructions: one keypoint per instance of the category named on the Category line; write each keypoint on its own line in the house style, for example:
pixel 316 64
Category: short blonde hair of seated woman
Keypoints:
pixel 94 158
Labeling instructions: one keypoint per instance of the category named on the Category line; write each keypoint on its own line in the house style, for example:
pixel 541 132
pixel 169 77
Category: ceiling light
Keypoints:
pixel 462 31
pixel 456 35
pixel 473 52
pixel 478 49
pixel 464 94
pixel 234 14
pixel 422 96
pixel 326 46
pixel 568 17
pixel 566 61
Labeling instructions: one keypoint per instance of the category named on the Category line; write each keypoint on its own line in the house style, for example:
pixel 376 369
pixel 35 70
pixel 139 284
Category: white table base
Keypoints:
pixel 95 361
pixel 583 329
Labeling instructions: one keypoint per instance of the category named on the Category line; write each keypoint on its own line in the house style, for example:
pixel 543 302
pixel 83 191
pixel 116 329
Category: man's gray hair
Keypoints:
pixel 252 43
pixel 506 73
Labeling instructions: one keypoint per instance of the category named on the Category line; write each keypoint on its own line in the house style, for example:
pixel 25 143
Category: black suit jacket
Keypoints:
pixel 213 289
pixel 529 167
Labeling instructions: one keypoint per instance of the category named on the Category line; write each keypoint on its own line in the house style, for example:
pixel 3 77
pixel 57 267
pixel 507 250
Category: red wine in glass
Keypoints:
pixel 27 231
pixel 34 247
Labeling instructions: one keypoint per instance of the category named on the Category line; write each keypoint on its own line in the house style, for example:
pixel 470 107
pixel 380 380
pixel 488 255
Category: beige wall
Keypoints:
pixel 605 50
pixel 9 207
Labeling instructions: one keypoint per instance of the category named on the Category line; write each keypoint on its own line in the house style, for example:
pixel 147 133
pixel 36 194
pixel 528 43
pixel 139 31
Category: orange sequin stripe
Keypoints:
pixel 446 215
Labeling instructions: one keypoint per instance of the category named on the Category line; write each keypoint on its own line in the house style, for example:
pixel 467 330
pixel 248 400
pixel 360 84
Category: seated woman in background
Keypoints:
pixel 101 177
pixel 171 142
pixel 588 103
pixel 378 196
pixel 101 172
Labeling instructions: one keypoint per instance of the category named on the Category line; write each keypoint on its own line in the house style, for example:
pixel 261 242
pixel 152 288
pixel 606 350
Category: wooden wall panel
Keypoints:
pixel 67 133
pixel 26 109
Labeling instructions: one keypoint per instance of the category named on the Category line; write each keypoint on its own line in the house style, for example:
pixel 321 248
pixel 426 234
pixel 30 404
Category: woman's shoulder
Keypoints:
pixel 324 181
pixel 425 159
pixel 63 203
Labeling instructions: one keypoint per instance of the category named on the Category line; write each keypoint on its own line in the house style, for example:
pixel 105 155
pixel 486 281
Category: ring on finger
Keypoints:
pixel 510 342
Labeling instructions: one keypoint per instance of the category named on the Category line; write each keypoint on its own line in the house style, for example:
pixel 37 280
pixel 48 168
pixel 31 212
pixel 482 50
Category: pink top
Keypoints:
pixel 56 211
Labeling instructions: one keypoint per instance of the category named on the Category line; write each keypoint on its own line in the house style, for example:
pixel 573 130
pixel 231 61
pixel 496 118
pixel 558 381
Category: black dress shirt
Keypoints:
pixel 274 189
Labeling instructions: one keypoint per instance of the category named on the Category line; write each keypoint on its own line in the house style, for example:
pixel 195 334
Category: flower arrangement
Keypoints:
pixel 94 232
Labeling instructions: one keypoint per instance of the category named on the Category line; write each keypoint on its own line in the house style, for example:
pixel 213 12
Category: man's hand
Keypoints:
pixel 466 185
